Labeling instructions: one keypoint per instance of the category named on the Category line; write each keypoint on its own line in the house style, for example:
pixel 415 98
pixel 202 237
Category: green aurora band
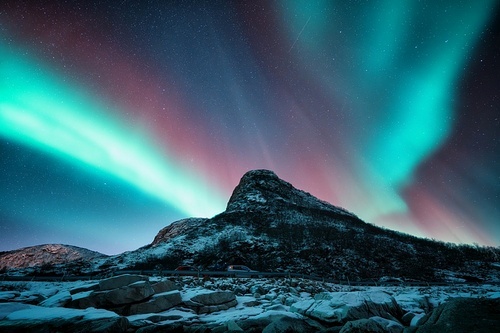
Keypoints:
pixel 417 49
pixel 39 110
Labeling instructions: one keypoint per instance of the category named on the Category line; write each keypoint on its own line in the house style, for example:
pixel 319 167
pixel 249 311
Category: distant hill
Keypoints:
pixel 48 254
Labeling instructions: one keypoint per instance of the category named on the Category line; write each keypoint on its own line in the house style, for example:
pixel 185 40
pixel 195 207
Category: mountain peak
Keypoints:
pixel 259 176
pixel 262 188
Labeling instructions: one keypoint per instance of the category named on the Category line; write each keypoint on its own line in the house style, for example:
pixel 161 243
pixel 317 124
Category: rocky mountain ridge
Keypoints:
pixel 270 225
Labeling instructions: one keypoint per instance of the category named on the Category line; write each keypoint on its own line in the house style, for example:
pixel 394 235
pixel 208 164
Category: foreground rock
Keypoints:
pixel 135 292
pixel 462 315
pixel 126 295
pixel 289 324
pixel 212 302
pixel 120 281
pixel 15 317
pixel 341 307
pixel 372 325
pixel 248 305
pixel 158 303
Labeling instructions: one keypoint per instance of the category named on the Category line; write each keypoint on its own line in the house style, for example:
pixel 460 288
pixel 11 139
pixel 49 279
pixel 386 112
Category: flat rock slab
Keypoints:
pixel 164 286
pixel 135 292
pixel 120 281
pixel 214 298
pixel 31 318
pixel 158 303
pixel 87 287
pixel 61 299
pixel 212 302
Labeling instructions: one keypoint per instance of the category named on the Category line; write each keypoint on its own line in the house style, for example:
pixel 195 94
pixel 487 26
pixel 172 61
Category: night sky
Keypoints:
pixel 120 117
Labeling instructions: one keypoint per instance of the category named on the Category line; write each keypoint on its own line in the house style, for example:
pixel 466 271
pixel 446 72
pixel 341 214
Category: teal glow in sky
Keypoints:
pixel 396 67
pixel 36 109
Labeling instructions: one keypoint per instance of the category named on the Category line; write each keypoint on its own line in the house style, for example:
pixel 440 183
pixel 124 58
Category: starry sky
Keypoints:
pixel 120 117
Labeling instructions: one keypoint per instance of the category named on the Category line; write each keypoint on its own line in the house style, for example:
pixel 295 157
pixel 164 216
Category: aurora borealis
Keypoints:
pixel 120 117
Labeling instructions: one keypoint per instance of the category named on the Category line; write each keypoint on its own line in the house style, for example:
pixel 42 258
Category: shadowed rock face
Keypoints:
pixel 463 315
pixel 260 189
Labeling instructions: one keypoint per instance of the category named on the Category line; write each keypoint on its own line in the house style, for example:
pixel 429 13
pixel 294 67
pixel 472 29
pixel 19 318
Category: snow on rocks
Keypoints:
pixel 341 307
pixel 60 299
pixel 123 295
pixel 16 317
pixel 373 325
pixel 158 303
pixel 120 281
pixel 6 296
pixel 212 301
pixel 191 304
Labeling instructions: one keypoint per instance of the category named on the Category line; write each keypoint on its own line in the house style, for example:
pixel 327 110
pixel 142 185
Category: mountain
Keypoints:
pixel 271 226
pixel 48 254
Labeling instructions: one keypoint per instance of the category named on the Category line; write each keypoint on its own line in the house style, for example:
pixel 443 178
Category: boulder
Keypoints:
pixel 390 326
pixel 86 299
pixel 341 307
pixel 120 281
pixel 212 301
pixel 135 292
pixel 106 325
pixel 8 308
pixel 171 327
pixel 363 326
pixel 255 324
pixel 233 327
pixel 9 296
pixel 164 286
pixel 31 318
pixel 462 315
pixel 407 318
pixel 416 320
pixel 61 299
pixel 214 298
pixel 158 303
pixel 257 289
pixel 260 322
pixel 289 324
pixel 87 287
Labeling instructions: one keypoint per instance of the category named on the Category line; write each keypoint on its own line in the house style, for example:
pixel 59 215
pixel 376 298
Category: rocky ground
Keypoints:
pixel 134 303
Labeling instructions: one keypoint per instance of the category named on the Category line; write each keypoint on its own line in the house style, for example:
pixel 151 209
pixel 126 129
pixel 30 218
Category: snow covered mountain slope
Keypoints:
pixel 48 254
pixel 271 226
